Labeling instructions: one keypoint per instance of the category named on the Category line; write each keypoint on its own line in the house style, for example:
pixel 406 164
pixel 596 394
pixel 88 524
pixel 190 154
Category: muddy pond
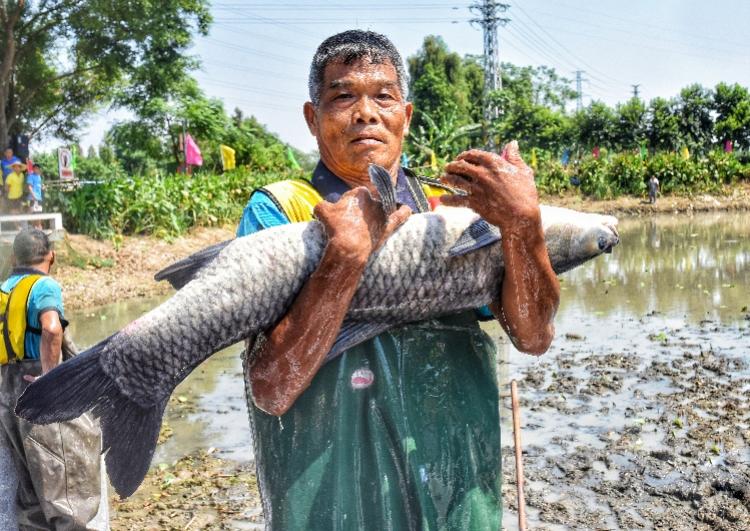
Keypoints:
pixel 638 417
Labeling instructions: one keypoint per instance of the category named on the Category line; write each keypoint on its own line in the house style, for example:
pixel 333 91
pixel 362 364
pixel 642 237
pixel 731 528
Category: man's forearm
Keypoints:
pixel 530 292
pixel 297 346
pixel 51 349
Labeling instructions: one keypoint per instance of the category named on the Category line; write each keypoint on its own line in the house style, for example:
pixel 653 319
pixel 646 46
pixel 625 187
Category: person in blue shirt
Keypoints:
pixel 7 163
pixel 59 473
pixel 34 187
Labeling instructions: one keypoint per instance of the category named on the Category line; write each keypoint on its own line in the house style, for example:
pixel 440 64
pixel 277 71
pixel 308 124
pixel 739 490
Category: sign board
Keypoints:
pixel 65 164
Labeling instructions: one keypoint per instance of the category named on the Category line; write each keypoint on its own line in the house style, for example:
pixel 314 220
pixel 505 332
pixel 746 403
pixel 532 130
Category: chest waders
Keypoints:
pixel 401 432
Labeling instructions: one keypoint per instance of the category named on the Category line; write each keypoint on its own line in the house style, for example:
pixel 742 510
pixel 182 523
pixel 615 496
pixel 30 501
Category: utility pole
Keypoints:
pixel 488 18
pixel 579 89
pixel 635 89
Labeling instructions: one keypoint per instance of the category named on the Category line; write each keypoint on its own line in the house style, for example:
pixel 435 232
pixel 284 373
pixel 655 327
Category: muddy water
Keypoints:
pixel 650 341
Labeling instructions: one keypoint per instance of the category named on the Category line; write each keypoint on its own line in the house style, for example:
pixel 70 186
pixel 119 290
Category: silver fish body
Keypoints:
pixel 251 284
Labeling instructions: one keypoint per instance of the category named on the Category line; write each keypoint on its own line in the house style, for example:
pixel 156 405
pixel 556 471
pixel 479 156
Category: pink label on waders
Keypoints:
pixel 362 378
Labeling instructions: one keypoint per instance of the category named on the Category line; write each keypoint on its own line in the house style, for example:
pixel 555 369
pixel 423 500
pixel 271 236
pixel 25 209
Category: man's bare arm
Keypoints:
pixel 51 343
pixel 501 189
pixel 296 347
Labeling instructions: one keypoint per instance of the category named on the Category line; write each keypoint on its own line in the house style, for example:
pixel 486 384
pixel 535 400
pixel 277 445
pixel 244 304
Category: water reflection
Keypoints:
pixel 693 267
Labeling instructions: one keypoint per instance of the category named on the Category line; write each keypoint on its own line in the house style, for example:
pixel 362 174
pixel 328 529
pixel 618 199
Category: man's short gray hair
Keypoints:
pixel 349 47
pixel 30 247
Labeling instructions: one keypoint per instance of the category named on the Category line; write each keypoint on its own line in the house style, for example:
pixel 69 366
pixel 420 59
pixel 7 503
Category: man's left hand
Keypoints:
pixel 500 188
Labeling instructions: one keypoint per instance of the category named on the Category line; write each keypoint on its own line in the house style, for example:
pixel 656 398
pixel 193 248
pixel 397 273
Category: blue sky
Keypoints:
pixel 257 54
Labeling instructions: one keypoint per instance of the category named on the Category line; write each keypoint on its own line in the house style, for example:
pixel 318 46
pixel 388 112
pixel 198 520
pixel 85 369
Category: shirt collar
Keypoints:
pixel 332 187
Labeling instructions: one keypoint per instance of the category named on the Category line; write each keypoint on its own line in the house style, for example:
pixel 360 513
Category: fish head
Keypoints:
pixel 576 237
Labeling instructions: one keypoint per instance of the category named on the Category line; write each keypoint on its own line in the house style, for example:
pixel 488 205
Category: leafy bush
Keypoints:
pixel 165 206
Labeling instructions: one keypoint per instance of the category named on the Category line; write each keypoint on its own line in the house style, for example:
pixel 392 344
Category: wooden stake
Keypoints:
pixel 519 459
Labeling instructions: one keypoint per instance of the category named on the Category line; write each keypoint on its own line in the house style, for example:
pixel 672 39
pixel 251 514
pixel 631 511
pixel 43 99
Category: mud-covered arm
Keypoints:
pixel 501 189
pixel 296 347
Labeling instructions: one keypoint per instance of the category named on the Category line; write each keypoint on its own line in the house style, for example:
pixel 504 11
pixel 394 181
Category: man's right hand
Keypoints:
pixel 295 349
pixel 356 224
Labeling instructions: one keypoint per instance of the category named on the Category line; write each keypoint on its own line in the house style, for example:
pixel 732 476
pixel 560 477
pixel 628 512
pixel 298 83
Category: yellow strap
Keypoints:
pixel 18 299
pixel 297 198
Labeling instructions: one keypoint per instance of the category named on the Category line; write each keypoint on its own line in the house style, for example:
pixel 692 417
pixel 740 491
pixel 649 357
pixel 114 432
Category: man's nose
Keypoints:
pixel 365 112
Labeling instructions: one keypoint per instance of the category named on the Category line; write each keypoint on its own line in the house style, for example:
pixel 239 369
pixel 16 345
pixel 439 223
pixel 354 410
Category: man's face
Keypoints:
pixel 8 154
pixel 362 118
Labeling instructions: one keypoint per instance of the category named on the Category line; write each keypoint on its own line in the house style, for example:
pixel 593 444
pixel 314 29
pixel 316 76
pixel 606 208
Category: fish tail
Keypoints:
pixel 129 431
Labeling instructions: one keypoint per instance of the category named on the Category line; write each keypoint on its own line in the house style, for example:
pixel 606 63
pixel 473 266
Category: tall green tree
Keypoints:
pixel 61 59
pixel 695 121
pixel 532 107
pixel 595 125
pixel 663 125
pixel 632 126
pixel 732 106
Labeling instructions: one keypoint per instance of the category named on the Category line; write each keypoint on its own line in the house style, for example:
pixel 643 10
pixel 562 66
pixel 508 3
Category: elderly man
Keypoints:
pixel 401 431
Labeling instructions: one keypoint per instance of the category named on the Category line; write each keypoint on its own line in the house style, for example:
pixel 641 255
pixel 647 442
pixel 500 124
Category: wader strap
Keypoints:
pixel 415 188
pixel 6 335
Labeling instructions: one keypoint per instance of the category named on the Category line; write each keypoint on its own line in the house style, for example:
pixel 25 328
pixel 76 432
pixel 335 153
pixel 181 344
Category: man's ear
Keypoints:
pixel 52 258
pixel 408 110
pixel 311 118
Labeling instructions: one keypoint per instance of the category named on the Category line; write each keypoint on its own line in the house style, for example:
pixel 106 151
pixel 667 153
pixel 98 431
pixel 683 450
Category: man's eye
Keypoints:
pixel 384 96
pixel 342 96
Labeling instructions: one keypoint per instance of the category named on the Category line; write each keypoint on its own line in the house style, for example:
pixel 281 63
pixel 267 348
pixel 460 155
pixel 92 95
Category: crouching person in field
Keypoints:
pixel 58 466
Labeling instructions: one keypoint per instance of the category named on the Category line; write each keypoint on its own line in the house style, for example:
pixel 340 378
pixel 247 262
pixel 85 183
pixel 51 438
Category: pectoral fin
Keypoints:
pixel 353 333
pixel 477 235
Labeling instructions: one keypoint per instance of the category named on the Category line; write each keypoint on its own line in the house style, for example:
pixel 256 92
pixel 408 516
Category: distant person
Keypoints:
pixel 8 160
pixel 59 485
pixel 14 188
pixel 653 189
pixel 34 191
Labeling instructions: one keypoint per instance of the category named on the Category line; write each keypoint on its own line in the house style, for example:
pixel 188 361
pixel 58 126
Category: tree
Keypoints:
pixel 61 59
pixel 732 106
pixel 446 91
pixel 663 126
pixel 694 117
pixel 532 107
pixel 595 125
pixel 631 128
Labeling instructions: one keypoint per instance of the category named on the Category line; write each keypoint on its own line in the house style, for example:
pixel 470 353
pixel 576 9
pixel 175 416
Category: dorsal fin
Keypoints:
pixel 182 272
pixel 384 185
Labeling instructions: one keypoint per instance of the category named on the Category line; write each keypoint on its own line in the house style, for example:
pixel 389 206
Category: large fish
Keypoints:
pixel 436 263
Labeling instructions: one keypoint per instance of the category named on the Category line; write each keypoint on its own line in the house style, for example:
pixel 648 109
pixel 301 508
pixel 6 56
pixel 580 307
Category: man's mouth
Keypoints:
pixel 367 140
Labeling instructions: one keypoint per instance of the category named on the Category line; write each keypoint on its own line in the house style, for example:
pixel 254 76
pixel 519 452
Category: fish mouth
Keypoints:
pixel 607 242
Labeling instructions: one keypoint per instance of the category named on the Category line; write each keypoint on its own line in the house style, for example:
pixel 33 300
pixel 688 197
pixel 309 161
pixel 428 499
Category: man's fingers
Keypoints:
pixel 458 182
pixel 395 220
pixel 463 168
pixel 454 200
pixel 476 156
pixel 29 378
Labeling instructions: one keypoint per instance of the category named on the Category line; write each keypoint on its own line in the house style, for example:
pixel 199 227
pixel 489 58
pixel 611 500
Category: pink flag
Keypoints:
pixel 595 152
pixel 728 146
pixel 29 165
pixel 192 152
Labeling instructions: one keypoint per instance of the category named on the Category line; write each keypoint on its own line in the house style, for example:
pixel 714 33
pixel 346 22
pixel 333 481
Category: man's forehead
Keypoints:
pixel 339 73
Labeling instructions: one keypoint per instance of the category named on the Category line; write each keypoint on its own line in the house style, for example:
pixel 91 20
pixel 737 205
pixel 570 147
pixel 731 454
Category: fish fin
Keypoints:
pixel 353 333
pixel 129 431
pixel 477 235
pixel 182 272
pixel 384 185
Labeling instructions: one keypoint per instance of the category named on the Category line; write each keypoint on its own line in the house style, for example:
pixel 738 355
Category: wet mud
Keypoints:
pixel 651 436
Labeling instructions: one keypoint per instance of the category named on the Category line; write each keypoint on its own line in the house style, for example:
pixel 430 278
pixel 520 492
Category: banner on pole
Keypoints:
pixel 227 157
